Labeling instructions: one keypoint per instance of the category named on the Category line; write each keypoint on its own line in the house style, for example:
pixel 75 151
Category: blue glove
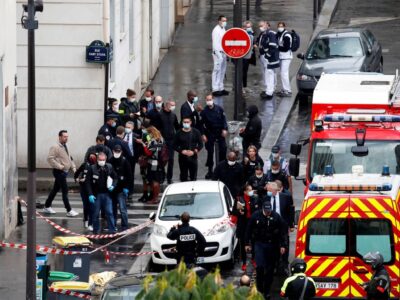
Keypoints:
pixel 126 192
pixel 111 188
pixel 92 199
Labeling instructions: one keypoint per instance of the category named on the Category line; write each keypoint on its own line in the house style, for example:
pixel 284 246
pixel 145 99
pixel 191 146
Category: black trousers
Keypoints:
pixel 246 63
pixel 171 153
pixel 60 182
pixel 187 166
pixel 210 149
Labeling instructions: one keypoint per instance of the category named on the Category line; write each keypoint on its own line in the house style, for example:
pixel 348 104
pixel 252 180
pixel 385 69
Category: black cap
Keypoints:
pixel 117 148
pixel 111 116
pixel 275 149
pixel 259 167
pixel 267 206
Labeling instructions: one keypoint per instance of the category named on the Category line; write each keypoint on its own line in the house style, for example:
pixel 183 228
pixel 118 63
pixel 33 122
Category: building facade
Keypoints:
pixel 8 118
pixel 70 92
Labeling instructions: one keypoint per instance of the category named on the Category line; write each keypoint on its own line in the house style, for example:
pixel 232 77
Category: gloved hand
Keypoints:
pixel 126 192
pixel 111 188
pixel 92 199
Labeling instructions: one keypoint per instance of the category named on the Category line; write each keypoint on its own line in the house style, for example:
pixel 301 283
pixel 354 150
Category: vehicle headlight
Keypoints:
pixel 160 230
pixel 303 77
pixel 219 228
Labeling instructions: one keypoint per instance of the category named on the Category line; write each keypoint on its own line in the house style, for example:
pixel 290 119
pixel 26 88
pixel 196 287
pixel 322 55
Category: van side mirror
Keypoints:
pixel 152 216
pixel 300 55
pixel 295 149
pixel 294 166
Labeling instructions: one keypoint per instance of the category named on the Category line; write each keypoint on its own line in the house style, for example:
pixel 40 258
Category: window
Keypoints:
pixel 122 17
pixel 353 237
pixel 324 48
pixel 198 205
pixel 370 37
pixel 327 236
pixel 228 198
pixel 131 28
pixel 337 153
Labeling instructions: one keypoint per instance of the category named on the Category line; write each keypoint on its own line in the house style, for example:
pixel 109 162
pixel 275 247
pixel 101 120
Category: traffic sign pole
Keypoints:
pixel 239 104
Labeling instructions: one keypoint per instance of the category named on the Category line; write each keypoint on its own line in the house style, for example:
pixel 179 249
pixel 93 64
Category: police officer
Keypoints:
pixel 214 129
pixel 379 285
pixel 108 129
pixel 99 189
pixel 125 185
pixel 189 241
pixel 298 286
pixel 269 232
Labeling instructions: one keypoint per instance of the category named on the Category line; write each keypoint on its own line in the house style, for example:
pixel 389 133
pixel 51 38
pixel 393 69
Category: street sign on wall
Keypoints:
pixel 236 43
pixel 98 52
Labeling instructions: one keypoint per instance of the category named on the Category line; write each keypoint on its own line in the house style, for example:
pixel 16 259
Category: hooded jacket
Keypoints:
pixel 252 133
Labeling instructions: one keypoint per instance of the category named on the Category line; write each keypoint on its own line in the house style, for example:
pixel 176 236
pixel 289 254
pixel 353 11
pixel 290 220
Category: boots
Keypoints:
pixel 156 192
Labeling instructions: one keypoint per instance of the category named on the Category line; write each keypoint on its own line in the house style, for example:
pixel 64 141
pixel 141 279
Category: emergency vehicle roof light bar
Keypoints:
pixel 365 111
pixel 361 118
pixel 314 187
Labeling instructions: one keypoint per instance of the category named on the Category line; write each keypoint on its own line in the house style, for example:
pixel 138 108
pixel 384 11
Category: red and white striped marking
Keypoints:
pixel 42 249
pixel 70 293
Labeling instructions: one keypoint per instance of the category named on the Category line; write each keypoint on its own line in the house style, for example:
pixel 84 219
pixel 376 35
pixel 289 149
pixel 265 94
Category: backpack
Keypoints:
pixel 295 41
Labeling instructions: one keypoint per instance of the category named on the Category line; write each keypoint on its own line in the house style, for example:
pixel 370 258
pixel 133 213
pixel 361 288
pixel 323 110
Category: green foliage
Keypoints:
pixel 184 284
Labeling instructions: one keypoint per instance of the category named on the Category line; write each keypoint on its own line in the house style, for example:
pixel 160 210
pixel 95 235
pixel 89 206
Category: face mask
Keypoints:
pixel 101 163
pixel 158 105
pixel 128 130
pixel 249 30
pixel 269 193
pixel 259 176
pixel 117 155
pixel 274 171
pixel 131 100
pixel 113 124
pixel 224 24
pixel 281 29
pixel 231 163
pixel 250 193
pixel 115 108
pixel 195 99
pixel 148 99
pixel 172 108
pixel 210 103
pixel 186 125
pixel 262 29
pixel 144 131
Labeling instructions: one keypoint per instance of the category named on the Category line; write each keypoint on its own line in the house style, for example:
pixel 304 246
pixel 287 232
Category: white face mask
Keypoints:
pixel 101 163
pixel 259 176
pixel 210 103
pixel 231 163
pixel 281 29
pixel 128 130
pixel 224 24
pixel 131 100
pixel 148 99
pixel 262 29
pixel 186 125
pixel 250 193
pixel 195 99
pixel 117 155
pixel 158 105
pixel 172 108
pixel 115 108
pixel 274 171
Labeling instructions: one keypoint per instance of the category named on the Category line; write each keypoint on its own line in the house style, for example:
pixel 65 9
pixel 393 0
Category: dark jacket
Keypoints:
pixel 294 285
pixel 169 124
pixel 242 216
pixel 286 45
pixel 186 112
pixel 81 173
pixel 188 141
pixel 96 179
pixel 258 184
pixel 124 145
pixel 252 133
pixel 123 170
pixel 378 287
pixel 97 149
pixel 286 207
pixel 249 167
pixel 190 243
pixel 281 176
pixel 213 120
pixel 154 117
pixel 108 132
pixel 127 108
pixel 146 105
pixel 271 229
pixel 271 49
pixel 231 176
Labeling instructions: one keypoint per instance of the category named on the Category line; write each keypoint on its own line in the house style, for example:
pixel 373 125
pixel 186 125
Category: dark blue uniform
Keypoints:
pixel 213 121
pixel 108 132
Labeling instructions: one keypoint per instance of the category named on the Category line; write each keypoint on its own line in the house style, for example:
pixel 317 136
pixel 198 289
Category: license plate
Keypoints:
pixel 200 260
pixel 327 285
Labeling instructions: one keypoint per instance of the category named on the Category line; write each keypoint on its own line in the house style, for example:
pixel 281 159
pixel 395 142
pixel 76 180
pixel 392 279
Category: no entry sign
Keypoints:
pixel 236 43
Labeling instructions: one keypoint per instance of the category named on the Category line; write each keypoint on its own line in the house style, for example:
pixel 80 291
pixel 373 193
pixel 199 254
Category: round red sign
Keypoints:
pixel 236 43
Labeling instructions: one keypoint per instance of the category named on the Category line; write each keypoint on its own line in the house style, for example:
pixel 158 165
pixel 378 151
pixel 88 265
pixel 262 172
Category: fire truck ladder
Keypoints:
pixel 395 91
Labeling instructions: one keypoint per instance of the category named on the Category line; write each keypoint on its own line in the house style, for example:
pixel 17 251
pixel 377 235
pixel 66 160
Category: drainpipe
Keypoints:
pixel 106 40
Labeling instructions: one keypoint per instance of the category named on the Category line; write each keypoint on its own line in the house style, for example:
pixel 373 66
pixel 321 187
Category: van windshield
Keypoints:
pixel 198 205
pixel 353 237
pixel 337 153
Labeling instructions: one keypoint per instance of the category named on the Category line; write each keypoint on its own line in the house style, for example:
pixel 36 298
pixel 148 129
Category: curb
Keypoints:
pixel 141 264
pixel 282 114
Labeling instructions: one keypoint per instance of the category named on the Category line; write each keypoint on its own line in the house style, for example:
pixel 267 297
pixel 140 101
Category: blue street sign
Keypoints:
pixel 98 52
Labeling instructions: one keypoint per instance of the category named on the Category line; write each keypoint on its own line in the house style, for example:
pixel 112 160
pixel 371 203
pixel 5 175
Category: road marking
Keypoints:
pixel 385 50
pixel 368 20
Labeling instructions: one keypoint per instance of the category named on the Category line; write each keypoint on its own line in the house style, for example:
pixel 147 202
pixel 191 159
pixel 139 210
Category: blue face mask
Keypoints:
pixel 113 124
pixel 250 193
pixel 249 30
pixel 186 125
pixel 195 99
pixel 269 193
pixel 144 131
